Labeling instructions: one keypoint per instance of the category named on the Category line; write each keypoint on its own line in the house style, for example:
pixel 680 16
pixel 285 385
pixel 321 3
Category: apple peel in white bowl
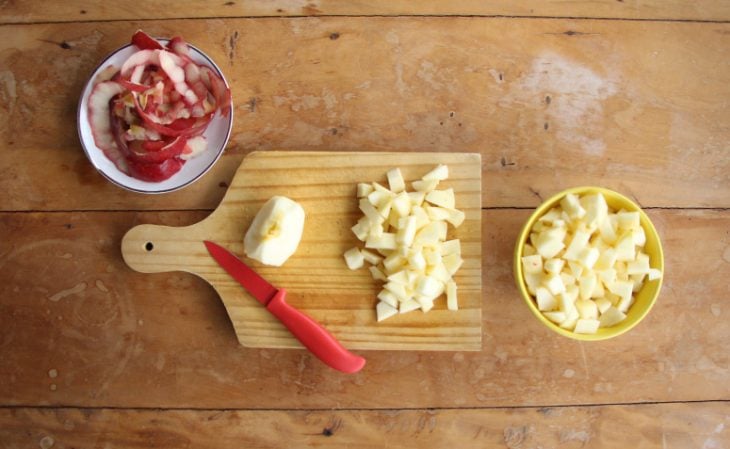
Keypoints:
pixel 155 115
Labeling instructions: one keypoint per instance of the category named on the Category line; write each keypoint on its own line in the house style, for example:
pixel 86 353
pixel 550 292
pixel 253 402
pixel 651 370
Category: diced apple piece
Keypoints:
pixel 639 236
pixel 361 229
pixel 417 198
pixel 453 216
pixel 532 264
pixel 586 285
pixel 638 266
pixel 439 272
pixel 654 274
pixel 571 205
pixel 439 173
pixel 385 311
pixel 443 198
pixel 452 302
pixel 625 248
pixel 623 289
pixel 425 186
pixel 426 303
pixel 380 188
pixel 611 317
pixel 550 242
pixel 409 306
pixel 596 209
pixel 568 279
pixel 377 274
pixel 421 216
pixel 555 317
pixel 603 304
pixel 379 199
pixel 545 300
pixel 433 257
pixel 577 244
pixel 402 204
pixel 606 260
pixel 452 262
pixel 364 190
pixel 533 280
pixel 576 269
pixel 628 220
pixel 588 257
pixel 586 326
pixel 370 211
pixel 452 247
pixel 394 262
pixel 406 231
pixel 388 297
pixel 395 180
pixel 554 283
pixel 554 266
pixel 385 241
pixel 354 259
pixel 429 287
pixel 571 317
pixel 416 261
pixel 607 231
pixel 587 309
pixel 398 289
pixel 400 277
pixel 370 257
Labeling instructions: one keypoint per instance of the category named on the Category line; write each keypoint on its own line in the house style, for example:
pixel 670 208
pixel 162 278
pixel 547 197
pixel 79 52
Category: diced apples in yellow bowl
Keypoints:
pixel 589 263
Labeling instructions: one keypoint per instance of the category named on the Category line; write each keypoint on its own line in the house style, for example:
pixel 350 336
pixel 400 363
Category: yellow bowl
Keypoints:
pixel 644 299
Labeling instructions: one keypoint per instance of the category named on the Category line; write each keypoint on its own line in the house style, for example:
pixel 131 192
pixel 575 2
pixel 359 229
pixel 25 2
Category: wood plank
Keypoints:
pixel 665 426
pixel 633 106
pixel 85 10
pixel 316 278
pixel 117 338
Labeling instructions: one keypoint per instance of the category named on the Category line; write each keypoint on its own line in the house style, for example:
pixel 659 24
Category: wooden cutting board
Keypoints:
pixel 316 277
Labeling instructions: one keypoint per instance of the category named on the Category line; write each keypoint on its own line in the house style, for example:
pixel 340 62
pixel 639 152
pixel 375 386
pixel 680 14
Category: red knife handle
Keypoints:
pixel 313 336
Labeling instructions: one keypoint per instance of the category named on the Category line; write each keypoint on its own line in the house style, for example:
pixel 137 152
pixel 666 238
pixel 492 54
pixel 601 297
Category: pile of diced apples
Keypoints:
pixel 584 262
pixel 405 236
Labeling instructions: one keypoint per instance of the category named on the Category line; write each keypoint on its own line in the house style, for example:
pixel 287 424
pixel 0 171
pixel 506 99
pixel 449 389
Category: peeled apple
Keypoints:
pixel 275 232
pixel 408 231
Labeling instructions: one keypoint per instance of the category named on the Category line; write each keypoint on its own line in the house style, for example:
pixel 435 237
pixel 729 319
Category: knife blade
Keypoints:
pixel 310 333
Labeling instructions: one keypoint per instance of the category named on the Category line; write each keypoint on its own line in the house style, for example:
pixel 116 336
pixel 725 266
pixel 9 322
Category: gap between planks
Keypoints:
pixel 359 409
pixel 367 16
pixel 107 211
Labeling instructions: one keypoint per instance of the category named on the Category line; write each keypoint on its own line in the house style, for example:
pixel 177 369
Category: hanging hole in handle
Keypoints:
pixel 149 246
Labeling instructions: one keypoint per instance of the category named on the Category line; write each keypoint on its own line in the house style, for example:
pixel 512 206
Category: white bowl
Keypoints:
pixel 217 134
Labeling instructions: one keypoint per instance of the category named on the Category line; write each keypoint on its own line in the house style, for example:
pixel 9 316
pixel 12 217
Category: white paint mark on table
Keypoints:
pixel 53 373
pixel 568 373
pixel 515 436
pixel 76 289
pixel 576 94
pixel 715 309
pixel 100 285
pixel 498 78
pixel 574 435
pixel 46 442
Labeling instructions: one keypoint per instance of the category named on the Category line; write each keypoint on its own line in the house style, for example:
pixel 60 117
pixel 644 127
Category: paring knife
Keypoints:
pixel 310 333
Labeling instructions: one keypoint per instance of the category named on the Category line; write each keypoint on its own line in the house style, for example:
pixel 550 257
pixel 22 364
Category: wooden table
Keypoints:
pixel 633 96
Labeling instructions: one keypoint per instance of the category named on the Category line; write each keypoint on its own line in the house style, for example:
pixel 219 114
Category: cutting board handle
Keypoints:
pixel 158 249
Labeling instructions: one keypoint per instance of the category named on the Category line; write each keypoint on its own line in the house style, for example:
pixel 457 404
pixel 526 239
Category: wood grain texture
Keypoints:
pixel 655 426
pixel 637 107
pixel 316 277
pixel 83 10
pixel 117 338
